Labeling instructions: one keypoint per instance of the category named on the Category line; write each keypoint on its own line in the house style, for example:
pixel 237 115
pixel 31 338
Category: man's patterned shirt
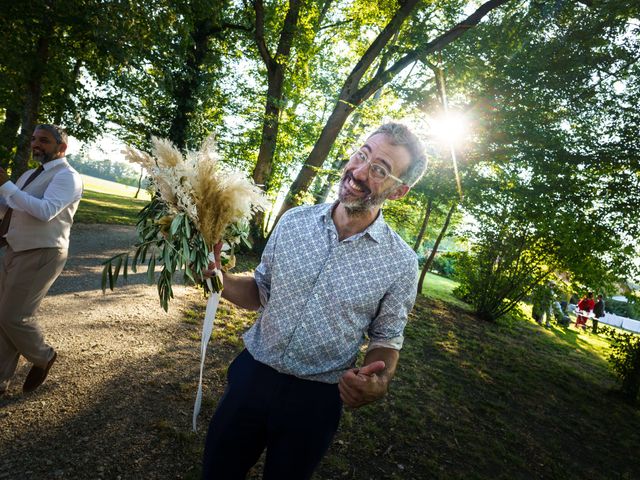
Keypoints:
pixel 321 296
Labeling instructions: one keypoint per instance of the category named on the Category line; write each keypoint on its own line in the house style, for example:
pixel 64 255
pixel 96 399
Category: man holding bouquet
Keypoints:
pixel 331 277
pixel 38 213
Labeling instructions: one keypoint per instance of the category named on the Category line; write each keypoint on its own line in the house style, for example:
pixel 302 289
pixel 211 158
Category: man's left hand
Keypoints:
pixel 4 177
pixel 361 386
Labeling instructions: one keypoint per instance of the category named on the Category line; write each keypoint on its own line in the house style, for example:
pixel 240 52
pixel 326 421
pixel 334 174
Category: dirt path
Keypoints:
pixel 117 403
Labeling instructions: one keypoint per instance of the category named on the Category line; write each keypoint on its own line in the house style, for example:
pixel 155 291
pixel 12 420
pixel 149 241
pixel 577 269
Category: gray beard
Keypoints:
pixel 43 157
pixel 364 205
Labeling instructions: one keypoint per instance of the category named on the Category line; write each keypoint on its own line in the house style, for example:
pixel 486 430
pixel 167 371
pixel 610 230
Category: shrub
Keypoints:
pixel 445 264
pixel 625 361
pixel 624 309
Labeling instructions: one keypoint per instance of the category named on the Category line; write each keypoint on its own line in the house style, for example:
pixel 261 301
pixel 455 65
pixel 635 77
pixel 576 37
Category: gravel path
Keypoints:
pixel 117 403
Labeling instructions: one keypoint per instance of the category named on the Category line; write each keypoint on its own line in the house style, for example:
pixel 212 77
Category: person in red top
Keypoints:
pixel 585 305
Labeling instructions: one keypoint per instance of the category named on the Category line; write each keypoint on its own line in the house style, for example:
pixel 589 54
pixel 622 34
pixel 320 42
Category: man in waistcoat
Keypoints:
pixel 38 213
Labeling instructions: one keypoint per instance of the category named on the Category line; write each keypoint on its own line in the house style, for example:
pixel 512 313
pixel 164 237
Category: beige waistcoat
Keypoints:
pixel 27 232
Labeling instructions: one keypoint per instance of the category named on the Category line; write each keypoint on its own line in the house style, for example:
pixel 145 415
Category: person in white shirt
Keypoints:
pixel 38 214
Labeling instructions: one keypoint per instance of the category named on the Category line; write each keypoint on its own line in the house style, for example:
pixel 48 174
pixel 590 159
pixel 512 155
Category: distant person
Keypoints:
pixel 542 304
pixel 585 305
pixel 560 313
pixel 332 278
pixel 598 312
pixel 38 213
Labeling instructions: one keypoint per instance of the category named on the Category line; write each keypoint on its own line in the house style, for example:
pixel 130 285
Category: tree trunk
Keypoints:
pixel 31 106
pixel 139 183
pixel 434 251
pixel 271 120
pixel 351 96
pixel 329 180
pixel 8 134
pixel 185 92
pixel 317 156
pixel 423 228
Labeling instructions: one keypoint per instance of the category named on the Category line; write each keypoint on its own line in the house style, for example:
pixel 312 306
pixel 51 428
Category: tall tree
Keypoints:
pixel 352 93
pixel 50 50
pixel 556 187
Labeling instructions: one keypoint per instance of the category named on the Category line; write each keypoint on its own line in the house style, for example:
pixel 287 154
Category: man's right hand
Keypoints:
pixel 4 177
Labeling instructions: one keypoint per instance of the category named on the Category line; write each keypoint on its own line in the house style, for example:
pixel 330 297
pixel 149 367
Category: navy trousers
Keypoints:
pixel 294 419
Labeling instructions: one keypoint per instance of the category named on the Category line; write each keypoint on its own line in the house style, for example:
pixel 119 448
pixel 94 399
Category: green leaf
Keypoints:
pixel 116 269
pixel 176 223
pixel 187 272
pixel 187 228
pixel 166 256
pixel 151 270
pixel 110 275
pixel 106 268
pixel 126 267
pixel 186 254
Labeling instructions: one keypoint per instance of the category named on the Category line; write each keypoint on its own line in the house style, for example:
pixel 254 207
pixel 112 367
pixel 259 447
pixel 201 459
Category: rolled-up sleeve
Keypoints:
pixel 262 274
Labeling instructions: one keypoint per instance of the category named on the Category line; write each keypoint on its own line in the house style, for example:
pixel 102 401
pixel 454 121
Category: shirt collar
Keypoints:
pixel 52 163
pixel 375 231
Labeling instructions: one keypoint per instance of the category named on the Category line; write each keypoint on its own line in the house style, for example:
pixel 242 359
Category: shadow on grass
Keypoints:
pixel 485 400
pixel 134 422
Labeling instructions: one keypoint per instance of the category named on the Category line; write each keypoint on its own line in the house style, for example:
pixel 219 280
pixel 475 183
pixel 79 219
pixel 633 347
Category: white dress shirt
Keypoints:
pixel 64 189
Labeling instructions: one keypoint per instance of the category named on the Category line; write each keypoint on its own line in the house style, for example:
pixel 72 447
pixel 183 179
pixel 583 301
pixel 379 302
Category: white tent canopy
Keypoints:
pixel 620 322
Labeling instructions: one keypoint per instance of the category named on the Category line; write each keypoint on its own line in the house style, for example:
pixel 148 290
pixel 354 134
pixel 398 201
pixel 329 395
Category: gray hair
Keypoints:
pixel 400 135
pixel 58 132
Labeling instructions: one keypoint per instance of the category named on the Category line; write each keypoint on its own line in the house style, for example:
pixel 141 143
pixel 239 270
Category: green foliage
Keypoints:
pixel 504 264
pixel 106 170
pixel 625 361
pixel 542 299
pixel 171 241
pixel 70 51
pixel 551 140
pixel 444 264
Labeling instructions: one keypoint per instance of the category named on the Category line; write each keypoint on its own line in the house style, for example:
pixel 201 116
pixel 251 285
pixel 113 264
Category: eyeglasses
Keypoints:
pixel 377 172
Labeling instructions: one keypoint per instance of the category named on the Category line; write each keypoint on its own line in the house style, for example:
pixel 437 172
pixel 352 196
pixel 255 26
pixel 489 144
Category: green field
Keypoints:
pixel 471 400
pixel 99 185
pixel 109 202
pixel 478 400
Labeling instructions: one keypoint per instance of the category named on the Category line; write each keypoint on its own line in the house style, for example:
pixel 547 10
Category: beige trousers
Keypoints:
pixel 25 279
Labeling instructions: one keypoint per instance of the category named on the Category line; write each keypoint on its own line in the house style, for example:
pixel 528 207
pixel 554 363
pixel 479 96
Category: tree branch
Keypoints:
pixel 258 7
pixel 417 53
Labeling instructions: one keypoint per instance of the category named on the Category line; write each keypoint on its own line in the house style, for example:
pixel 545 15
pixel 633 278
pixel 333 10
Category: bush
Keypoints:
pixel 624 309
pixel 625 361
pixel 445 264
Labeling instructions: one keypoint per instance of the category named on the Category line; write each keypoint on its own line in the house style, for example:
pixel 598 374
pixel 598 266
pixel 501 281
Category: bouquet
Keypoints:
pixel 196 203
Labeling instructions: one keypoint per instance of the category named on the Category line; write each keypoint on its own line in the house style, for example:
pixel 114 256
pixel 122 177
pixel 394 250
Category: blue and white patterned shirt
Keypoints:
pixel 320 296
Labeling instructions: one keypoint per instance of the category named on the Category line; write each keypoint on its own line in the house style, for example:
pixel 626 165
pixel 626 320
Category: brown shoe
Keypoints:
pixel 37 375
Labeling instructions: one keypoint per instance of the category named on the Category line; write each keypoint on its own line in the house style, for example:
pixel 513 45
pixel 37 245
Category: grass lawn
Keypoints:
pixel 477 400
pixel 471 399
pixel 99 185
pixel 109 202
pixel 440 288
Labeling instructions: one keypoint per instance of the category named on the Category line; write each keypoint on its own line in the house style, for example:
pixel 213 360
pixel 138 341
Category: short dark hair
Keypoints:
pixel 58 132
pixel 402 136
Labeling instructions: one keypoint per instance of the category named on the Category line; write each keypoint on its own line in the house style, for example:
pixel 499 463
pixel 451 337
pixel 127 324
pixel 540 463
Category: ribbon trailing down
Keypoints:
pixel 207 329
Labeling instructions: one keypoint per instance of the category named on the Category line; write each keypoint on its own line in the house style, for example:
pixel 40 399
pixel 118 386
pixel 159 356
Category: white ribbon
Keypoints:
pixel 207 329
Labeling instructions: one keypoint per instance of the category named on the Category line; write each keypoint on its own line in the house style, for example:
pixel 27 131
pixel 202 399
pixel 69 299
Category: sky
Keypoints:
pixel 105 147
